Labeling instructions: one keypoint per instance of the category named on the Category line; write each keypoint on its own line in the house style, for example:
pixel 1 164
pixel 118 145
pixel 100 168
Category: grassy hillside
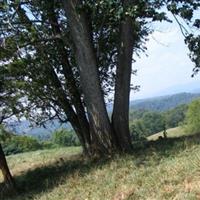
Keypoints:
pixel 23 162
pixel 165 169
pixel 171 133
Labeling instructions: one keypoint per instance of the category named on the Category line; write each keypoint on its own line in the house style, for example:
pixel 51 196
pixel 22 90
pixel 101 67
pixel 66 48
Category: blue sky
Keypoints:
pixel 167 66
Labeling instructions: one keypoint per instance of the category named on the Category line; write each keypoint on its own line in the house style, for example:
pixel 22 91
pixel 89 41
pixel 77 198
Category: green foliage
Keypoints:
pixel 19 144
pixel 135 114
pixel 192 121
pixel 36 41
pixel 149 123
pixel 176 116
pixel 48 144
pixel 153 122
pixel 137 130
pixel 4 134
pixel 64 137
pixel 145 123
pixel 13 144
pixel 193 42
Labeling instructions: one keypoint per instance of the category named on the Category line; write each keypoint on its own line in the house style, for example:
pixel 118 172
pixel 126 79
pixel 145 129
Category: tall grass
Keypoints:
pixel 165 169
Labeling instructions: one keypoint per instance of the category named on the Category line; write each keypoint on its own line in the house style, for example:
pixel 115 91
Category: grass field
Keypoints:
pixel 164 169
pixel 24 162
pixel 171 133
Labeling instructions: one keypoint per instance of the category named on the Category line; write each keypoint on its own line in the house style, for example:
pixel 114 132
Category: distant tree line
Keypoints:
pixel 161 104
pixel 13 144
pixel 144 123
pixel 192 119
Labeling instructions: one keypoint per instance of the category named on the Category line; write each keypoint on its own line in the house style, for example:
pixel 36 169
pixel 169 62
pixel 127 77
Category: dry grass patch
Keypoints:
pixel 164 170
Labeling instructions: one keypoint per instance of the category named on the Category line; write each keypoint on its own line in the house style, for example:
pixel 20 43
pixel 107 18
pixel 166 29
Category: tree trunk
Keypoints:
pixel 89 77
pixel 120 116
pixel 8 179
pixel 68 109
pixel 77 120
pixel 69 77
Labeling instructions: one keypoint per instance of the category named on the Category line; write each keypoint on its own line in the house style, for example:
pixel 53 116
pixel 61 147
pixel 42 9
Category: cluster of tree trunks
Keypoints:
pixel 90 120
pixel 88 115
pixel 82 101
pixel 105 136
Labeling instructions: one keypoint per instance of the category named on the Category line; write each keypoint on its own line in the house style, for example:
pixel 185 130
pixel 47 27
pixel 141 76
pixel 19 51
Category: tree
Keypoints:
pixel 150 123
pixel 153 122
pixel 120 117
pixel 138 130
pixel 10 105
pixel 131 32
pixel 86 59
pixel 82 52
pixel 176 116
pixel 8 179
pixel 64 137
pixel 192 120
pixel 186 10
pixel 7 176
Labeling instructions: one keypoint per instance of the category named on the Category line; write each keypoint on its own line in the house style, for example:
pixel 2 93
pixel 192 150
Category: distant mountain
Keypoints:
pixel 24 128
pixel 164 103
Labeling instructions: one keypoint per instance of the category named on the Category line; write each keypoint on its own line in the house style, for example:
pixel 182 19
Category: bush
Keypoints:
pixel 176 116
pixel 153 123
pixel 19 144
pixel 13 144
pixel 192 120
pixel 64 137
pixel 150 123
pixel 137 130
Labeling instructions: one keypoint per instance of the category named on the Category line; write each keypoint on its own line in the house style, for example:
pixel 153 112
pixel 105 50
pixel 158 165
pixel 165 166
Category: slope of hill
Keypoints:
pixel 171 133
pixel 167 169
pixel 165 102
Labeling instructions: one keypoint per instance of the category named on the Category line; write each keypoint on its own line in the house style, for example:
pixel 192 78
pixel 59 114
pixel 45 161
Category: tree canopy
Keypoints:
pixel 61 59
pixel 192 120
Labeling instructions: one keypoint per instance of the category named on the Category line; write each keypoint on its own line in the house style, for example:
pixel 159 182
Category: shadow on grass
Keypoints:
pixel 179 142
pixel 165 147
pixel 42 179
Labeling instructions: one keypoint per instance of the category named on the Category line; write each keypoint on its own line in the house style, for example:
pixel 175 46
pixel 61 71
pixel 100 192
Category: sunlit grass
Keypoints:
pixel 171 133
pixel 167 169
pixel 23 162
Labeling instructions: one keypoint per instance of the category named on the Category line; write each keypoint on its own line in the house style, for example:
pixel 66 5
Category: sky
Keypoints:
pixel 167 68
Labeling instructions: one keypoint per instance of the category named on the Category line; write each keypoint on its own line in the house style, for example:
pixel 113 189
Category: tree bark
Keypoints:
pixel 89 77
pixel 69 77
pixel 120 116
pixel 77 120
pixel 68 109
pixel 8 179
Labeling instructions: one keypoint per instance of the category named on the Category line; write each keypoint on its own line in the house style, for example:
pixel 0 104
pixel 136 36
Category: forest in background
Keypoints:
pixel 145 118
